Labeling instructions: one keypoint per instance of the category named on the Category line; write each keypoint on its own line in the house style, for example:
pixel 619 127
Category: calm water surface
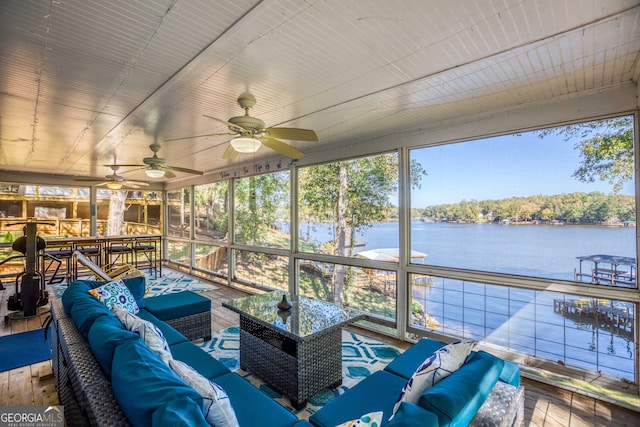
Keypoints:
pixel 523 320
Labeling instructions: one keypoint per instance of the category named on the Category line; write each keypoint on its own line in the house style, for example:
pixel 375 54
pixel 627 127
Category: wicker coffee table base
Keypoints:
pixel 296 368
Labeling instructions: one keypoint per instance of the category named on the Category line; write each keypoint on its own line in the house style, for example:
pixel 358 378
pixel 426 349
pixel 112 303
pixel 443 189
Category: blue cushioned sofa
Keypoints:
pixel 485 391
pixel 106 375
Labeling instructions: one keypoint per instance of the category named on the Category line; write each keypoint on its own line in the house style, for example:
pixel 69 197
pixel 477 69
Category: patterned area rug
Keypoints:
pixel 170 282
pixel 360 358
pixel 173 281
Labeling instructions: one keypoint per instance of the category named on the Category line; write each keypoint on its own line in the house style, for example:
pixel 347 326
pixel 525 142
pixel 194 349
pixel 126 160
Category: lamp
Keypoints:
pixel 154 173
pixel 114 185
pixel 244 144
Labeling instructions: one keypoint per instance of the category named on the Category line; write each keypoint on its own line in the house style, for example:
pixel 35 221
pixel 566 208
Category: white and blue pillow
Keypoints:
pixel 439 365
pixel 150 333
pixel 372 419
pixel 116 294
pixel 217 406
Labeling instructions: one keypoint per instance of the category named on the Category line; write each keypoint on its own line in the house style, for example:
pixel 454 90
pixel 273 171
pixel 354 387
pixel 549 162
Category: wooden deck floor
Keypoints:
pixel 545 405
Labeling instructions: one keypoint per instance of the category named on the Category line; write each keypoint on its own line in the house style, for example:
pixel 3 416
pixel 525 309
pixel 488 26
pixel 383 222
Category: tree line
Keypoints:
pixel 573 208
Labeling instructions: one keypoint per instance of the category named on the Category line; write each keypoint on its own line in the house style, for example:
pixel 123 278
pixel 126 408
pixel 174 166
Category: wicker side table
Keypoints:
pixel 300 355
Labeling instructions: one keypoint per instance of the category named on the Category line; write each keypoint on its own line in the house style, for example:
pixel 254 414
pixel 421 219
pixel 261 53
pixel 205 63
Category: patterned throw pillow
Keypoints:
pixel 116 294
pixel 217 406
pixel 372 419
pixel 439 365
pixel 150 334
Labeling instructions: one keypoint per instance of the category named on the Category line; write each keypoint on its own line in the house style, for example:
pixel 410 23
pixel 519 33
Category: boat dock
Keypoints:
pixel 611 270
pixel 617 317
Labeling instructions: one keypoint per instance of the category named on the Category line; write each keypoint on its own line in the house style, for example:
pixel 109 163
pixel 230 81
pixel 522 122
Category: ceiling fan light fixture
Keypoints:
pixel 243 144
pixel 114 185
pixel 154 173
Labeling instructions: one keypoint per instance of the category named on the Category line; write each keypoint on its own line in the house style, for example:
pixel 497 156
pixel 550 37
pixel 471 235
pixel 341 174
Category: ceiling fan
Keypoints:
pixel 157 167
pixel 250 133
pixel 114 181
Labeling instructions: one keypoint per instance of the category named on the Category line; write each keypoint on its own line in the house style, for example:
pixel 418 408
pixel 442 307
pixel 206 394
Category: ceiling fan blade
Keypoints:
pixel 185 170
pixel 168 173
pixel 282 148
pixel 116 165
pixel 89 180
pixel 198 136
pixel 229 153
pixel 292 133
pixel 240 128
pixel 136 183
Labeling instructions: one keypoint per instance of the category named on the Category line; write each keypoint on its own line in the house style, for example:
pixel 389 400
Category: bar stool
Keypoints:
pixel 91 249
pixel 55 258
pixel 149 257
pixel 118 252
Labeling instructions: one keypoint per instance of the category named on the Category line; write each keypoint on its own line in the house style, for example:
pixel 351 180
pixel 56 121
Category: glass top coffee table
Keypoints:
pixel 297 351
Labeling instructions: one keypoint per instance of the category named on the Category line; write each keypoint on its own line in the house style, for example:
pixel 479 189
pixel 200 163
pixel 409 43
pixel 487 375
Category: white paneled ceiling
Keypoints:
pixel 86 83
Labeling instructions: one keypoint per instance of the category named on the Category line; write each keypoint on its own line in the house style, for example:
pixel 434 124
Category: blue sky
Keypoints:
pixel 501 167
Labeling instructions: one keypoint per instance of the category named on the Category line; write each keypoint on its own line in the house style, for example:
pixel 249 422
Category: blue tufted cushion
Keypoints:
pixel 105 335
pixel 140 372
pixel 411 415
pixel 457 398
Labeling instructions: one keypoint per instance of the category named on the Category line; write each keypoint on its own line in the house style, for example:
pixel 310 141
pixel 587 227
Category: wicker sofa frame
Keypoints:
pixel 82 387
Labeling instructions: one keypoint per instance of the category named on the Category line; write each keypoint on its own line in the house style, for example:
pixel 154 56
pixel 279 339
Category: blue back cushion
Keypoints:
pixel 407 363
pixel 138 287
pixel 510 374
pixel 457 398
pixel 145 386
pixel 410 415
pixel 105 335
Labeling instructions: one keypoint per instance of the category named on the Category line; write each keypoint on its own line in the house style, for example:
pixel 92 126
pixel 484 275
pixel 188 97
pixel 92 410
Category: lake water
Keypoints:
pixel 531 250
pixel 523 320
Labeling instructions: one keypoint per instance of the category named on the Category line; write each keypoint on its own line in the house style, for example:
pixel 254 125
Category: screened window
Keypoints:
pixel 179 213
pixel 350 208
pixel 538 204
pixel 211 211
pixel 262 206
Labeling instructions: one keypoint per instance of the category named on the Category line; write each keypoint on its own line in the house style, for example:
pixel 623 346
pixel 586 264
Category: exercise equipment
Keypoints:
pixel 30 287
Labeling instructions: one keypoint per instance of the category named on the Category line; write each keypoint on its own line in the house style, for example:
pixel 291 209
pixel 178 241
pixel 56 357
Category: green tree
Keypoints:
pixel 351 194
pixel 257 202
pixel 606 149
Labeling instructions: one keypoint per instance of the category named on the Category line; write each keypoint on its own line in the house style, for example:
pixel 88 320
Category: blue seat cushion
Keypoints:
pixel 410 415
pixel 251 404
pixel 171 335
pixel 180 304
pixel 200 360
pixel 105 335
pixel 144 385
pixel 377 392
pixel 457 398
pixel 407 363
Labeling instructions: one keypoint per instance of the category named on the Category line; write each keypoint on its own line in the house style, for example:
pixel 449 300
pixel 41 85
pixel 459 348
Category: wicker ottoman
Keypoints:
pixel 186 312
